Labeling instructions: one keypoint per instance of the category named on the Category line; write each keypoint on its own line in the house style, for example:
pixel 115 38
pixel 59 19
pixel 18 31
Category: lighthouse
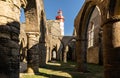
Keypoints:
pixel 60 18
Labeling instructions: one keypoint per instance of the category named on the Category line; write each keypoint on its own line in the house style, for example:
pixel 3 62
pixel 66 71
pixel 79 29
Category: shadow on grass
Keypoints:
pixel 96 71
pixel 50 75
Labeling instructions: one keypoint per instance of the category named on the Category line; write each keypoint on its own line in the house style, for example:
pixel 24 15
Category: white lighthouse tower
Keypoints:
pixel 60 18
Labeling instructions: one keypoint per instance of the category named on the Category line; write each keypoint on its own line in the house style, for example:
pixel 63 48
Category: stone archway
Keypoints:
pixel 35 30
pixel 94 47
pixel 65 47
pixel 82 40
pixel 110 11
pixel 84 18
pixel 69 53
pixel 32 30
pixel 54 54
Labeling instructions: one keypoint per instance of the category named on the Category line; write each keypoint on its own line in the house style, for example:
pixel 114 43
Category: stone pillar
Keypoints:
pixel 47 53
pixel 42 47
pixel 9 38
pixel 81 55
pixel 74 52
pixel 65 50
pixel 49 46
pixel 59 53
pixel 33 52
pixel 50 54
pixel 100 47
pixel 111 40
pixel 9 50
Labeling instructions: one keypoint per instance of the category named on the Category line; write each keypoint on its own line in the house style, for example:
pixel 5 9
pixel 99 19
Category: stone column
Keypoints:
pixel 100 47
pixel 50 47
pixel 42 47
pixel 65 50
pixel 111 40
pixel 9 38
pixel 33 52
pixel 81 55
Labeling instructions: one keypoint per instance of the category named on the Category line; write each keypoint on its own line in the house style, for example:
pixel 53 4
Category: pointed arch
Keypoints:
pixel 84 18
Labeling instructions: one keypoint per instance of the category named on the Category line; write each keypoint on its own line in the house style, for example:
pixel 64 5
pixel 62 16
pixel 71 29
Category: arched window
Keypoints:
pixel 22 15
pixel 90 34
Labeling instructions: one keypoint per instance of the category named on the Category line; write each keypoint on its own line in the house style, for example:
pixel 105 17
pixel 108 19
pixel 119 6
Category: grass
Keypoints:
pixel 66 70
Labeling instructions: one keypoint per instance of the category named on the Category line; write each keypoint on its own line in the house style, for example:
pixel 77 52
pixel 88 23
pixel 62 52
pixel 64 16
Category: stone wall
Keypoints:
pixel 23 43
pixel 93 51
pixel 9 38
pixel 110 11
pixel 33 52
pixel 35 30
pixel 95 11
pixel 54 33
pixel 71 54
pixel 93 55
pixel 66 42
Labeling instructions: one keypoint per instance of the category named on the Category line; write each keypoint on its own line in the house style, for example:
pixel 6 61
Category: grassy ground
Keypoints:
pixel 66 70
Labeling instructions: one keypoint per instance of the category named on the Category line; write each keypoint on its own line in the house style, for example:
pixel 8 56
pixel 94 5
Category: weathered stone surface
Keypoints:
pixel 9 35
pixel 63 50
pixel 56 42
pixel 93 55
pixel 9 38
pixel 9 54
pixel 110 11
pixel 10 12
pixel 43 55
pixel 90 14
pixel 54 32
pixel 33 52
pixel 116 40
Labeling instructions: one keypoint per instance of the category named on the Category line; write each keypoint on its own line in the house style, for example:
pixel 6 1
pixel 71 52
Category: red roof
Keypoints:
pixel 59 17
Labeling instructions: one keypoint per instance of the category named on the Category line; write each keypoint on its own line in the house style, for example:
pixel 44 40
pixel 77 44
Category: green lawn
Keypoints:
pixel 66 70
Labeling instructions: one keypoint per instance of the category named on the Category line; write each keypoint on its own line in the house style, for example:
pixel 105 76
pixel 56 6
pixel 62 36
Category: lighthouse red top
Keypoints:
pixel 60 16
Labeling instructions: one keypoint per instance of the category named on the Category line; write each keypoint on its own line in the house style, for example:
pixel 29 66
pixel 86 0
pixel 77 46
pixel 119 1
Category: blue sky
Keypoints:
pixel 70 9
